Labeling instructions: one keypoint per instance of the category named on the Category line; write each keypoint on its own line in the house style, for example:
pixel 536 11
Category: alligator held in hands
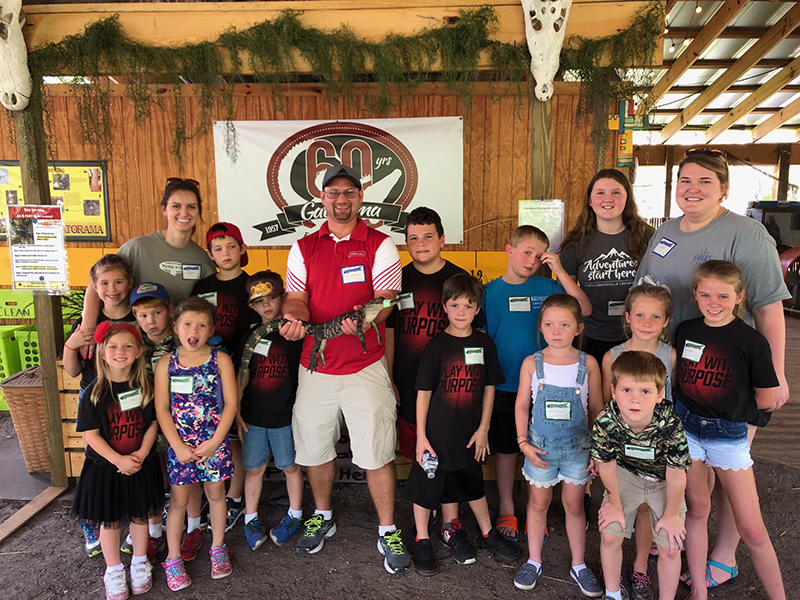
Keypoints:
pixel 322 332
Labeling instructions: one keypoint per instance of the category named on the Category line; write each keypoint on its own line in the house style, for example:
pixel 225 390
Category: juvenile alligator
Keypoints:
pixel 322 332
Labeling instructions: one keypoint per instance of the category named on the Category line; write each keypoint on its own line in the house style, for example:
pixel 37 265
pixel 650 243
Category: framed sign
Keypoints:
pixel 547 215
pixel 79 188
pixel 38 256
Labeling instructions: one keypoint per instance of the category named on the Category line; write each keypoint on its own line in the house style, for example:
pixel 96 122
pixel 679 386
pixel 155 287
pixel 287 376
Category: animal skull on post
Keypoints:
pixel 15 78
pixel 545 25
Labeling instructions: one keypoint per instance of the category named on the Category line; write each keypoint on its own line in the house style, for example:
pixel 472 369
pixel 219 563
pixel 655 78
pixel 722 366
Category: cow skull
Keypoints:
pixel 545 25
pixel 15 79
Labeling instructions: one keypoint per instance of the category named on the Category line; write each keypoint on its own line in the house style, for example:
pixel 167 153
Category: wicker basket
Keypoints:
pixel 25 397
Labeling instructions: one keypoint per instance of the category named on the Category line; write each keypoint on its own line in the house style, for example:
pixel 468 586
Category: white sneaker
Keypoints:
pixel 141 578
pixel 116 585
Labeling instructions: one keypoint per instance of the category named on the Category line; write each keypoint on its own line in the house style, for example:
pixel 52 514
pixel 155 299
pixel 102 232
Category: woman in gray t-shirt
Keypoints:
pixel 602 253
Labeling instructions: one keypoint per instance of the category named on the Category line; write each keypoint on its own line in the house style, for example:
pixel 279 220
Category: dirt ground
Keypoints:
pixel 45 559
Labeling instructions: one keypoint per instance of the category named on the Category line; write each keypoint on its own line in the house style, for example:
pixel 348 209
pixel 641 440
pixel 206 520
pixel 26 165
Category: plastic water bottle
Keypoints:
pixel 429 464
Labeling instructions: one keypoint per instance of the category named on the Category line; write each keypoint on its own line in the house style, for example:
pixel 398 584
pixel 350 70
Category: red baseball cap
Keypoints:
pixel 222 229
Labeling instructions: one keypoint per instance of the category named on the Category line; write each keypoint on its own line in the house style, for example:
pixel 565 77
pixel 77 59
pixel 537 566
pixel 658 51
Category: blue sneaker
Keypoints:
pixel 92 539
pixel 284 530
pixel 254 534
pixel 588 583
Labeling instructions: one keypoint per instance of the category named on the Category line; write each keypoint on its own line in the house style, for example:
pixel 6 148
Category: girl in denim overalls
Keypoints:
pixel 565 387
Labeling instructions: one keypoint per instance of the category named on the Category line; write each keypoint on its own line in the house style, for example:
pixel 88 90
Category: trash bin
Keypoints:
pixel 25 397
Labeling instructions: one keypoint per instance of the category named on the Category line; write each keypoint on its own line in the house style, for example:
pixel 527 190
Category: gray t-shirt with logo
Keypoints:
pixel 605 271
pixel 673 256
pixel 177 269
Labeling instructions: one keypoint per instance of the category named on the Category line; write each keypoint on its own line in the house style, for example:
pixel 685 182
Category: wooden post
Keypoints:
pixel 670 162
pixel 784 159
pixel 36 189
pixel 541 148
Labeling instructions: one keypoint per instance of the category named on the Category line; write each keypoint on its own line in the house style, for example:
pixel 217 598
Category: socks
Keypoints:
pixel 383 530
pixel 578 568
pixel 119 567
pixel 326 514
pixel 249 517
pixel 192 524
pixel 156 531
pixel 138 560
pixel 237 500
pixel 535 564
pixel 129 540
pixel 614 595
pixel 296 514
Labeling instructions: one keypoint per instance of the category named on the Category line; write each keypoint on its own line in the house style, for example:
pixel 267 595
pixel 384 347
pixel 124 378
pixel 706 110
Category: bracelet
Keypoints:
pixel 68 348
pixel 524 437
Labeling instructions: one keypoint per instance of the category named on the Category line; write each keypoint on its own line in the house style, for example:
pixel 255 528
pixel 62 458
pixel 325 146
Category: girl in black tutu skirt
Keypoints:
pixel 121 478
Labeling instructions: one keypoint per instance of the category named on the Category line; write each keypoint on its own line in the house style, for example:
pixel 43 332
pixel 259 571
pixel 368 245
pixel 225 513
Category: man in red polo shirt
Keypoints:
pixel 343 265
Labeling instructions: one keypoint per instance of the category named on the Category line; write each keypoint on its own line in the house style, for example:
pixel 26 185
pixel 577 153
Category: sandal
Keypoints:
pixel 713 583
pixel 508 522
pixel 546 533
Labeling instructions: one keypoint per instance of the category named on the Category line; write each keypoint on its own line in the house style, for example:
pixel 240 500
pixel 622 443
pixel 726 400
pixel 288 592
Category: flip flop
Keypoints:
pixel 712 583
pixel 509 522
pixel 546 533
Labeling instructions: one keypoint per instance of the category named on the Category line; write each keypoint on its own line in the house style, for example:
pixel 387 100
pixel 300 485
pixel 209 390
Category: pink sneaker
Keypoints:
pixel 116 585
pixel 141 578
pixel 190 545
pixel 220 562
pixel 177 577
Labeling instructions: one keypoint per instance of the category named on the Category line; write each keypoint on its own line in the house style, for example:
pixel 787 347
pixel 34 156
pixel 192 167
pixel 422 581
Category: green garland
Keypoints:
pixel 339 60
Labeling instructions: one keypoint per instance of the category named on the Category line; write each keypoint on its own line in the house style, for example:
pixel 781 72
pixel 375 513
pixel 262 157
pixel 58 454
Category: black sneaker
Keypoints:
pixel 204 520
pixel 235 511
pixel 587 507
pixel 457 541
pixel 396 558
pixel 500 548
pixel 315 530
pixel 424 558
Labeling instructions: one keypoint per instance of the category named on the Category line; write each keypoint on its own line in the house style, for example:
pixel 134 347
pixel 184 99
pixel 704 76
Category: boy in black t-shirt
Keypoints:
pixel 455 384
pixel 418 317
pixel 227 291
pixel 151 305
pixel 265 413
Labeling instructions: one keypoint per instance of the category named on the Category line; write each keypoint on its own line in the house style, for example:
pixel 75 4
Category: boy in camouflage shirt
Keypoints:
pixel 640 451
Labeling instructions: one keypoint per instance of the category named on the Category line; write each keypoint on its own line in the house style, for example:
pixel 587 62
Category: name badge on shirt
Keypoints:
pixel 262 347
pixel 355 274
pixel 557 410
pixel 616 308
pixel 154 362
pixel 405 301
pixel 664 247
pixel 181 384
pixel 473 356
pixel 519 304
pixel 640 452
pixel 129 400
pixel 693 351
pixel 191 272
pixel 210 296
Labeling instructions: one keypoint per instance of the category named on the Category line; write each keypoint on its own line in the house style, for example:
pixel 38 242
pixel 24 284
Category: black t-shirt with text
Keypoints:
pixel 89 368
pixel 270 393
pixel 415 327
pixel 718 367
pixel 457 370
pixel 123 430
pixel 234 316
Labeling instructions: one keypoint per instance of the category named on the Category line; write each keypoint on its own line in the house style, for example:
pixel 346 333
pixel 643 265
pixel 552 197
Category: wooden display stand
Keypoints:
pixel 74 454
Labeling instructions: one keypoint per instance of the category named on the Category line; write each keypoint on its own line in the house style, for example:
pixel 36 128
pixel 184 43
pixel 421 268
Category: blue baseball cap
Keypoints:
pixel 150 289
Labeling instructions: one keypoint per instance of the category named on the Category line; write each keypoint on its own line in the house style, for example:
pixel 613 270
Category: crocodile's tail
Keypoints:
pixel 256 335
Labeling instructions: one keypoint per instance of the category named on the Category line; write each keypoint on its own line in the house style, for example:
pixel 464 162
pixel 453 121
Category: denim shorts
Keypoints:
pixel 567 461
pixel 259 442
pixel 717 442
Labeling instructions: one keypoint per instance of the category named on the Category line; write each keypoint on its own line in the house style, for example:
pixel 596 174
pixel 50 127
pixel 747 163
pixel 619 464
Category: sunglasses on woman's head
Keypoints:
pixel 194 182
pixel 712 152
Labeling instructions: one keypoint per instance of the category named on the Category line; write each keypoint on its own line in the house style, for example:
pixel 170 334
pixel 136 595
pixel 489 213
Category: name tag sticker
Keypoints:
pixel 154 362
pixel 473 356
pixel 355 274
pixel 191 272
pixel 210 296
pixel 181 384
pixel 616 308
pixel 519 304
pixel 693 351
pixel 129 400
pixel 664 247
pixel 640 452
pixel 557 410
pixel 262 347
pixel 406 301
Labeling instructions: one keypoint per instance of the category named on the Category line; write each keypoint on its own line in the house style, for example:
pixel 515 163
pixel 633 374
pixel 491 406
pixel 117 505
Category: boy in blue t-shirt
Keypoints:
pixel 511 304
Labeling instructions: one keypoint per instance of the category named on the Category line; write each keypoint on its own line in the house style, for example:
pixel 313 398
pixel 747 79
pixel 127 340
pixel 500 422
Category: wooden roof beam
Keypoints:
pixel 775 83
pixel 734 89
pixel 706 37
pixel 716 63
pixel 776 120
pixel 729 33
pixel 667 112
pixel 777 32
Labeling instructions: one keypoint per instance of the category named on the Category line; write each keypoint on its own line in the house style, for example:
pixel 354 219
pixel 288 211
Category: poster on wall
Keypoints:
pixel 272 191
pixel 38 255
pixel 79 188
pixel 547 215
